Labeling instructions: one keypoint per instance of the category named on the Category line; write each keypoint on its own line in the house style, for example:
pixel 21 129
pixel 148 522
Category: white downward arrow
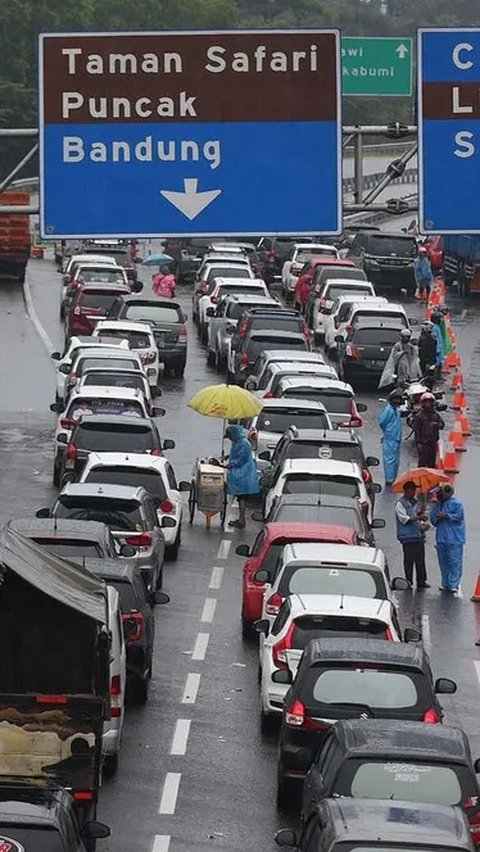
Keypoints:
pixel 402 50
pixel 190 202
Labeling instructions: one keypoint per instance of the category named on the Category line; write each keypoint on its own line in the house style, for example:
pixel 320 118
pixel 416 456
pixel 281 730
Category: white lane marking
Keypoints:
pixel 161 843
pixel 224 548
pixel 201 644
pixel 216 578
pixel 27 295
pixel 464 313
pixel 476 663
pixel 209 610
pixel 426 635
pixel 168 801
pixel 191 688
pixel 180 737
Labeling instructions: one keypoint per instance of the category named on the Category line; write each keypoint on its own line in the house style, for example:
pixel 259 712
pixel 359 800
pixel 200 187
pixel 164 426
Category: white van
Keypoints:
pixel 112 728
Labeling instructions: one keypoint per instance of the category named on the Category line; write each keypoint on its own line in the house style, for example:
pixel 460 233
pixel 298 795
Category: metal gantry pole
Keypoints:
pixel 358 169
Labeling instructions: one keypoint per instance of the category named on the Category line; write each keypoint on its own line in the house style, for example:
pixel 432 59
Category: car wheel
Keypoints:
pixel 172 552
pixel 285 793
pixel 319 338
pixel 178 371
pixel 210 358
pixel 268 724
pixel 160 578
pixel 346 375
pixel 140 691
pixel 247 629
pixel 219 362
pixel 56 476
pixel 110 765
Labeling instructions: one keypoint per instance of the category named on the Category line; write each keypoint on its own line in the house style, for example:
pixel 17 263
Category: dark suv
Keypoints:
pixel 71 539
pixel 365 350
pixel 347 679
pixel 244 357
pixel 387 259
pixel 167 321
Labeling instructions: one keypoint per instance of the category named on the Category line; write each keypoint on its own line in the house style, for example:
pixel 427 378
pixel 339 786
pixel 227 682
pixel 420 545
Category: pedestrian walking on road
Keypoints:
pixel 437 320
pixel 411 527
pixel 390 423
pixel 423 273
pixel 427 350
pixel 448 518
pixel 427 427
pixel 242 477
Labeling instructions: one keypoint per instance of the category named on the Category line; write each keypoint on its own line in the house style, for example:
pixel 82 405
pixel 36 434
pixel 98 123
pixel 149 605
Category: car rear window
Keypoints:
pixel 304 370
pixel 28 837
pixel 105 276
pixel 311 483
pixel 378 688
pixel 335 403
pixel 113 438
pixel 128 600
pixel 89 363
pixel 338 452
pixel 117 514
pixel 240 271
pixel 280 421
pixel 407 780
pixel 305 255
pixel 67 548
pixel 376 336
pixel 338 271
pixel 109 378
pixel 333 291
pixel 279 322
pixel 256 345
pixel 227 289
pixel 102 301
pixel 390 245
pixel 82 407
pixel 318 514
pixel 312 626
pixel 133 476
pixel 153 313
pixel 378 317
pixel 331 580
pixel 136 339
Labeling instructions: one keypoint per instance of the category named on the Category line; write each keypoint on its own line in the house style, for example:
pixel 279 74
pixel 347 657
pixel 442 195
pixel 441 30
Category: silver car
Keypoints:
pixel 224 320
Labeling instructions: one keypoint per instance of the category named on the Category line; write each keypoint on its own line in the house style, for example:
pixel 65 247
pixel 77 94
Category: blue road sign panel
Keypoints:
pixel 449 130
pixel 153 134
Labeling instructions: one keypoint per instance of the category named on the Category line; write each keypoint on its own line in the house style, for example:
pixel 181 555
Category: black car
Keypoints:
pixel 264 338
pixel 167 321
pixel 387 259
pixel 365 350
pixel 108 434
pixel 386 759
pixel 348 825
pixel 350 678
pixel 136 603
pixel 71 539
pixel 324 509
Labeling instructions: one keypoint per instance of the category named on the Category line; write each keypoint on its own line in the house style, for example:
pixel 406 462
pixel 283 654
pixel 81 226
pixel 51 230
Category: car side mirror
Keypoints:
pixel 338 338
pixel 161 597
pixel 43 513
pixel 57 407
pixel 210 312
pixel 441 406
pixel 257 516
pixel 168 523
pixel 445 686
pixel 262 626
pixel 64 368
pixel 399 584
pixel 168 444
pixel 286 837
pixel 62 438
pixel 262 576
pixel 242 550
pixel 185 486
pixel 413 321
pixel 55 356
pixel 374 488
pixel 476 765
pixel 265 455
pixel 372 461
pixel 157 411
pixel 361 407
pixel 411 634
pixel 127 550
pixel 136 286
pixel 284 676
pixel 251 383
pixel 378 524
pixel 93 830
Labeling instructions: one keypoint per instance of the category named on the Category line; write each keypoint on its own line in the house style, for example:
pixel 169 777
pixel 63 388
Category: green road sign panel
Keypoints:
pixel 377 66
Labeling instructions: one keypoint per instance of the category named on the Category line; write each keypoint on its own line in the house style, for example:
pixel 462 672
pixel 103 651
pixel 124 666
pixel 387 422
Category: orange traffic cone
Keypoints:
pixel 457 381
pixel 462 418
pixel 476 592
pixel 434 299
pixel 456 439
pixel 459 400
pixel 450 361
pixel 450 464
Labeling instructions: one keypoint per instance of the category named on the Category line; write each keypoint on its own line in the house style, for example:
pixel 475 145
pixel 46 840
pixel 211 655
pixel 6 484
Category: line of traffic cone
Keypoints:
pixel 449 460
pixel 462 418
pixel 456 438
pixel 457 381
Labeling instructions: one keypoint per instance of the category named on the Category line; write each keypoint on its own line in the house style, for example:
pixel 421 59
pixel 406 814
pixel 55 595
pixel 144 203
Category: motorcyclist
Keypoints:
pixel 427 352
pixel 427 426
pixel 402 365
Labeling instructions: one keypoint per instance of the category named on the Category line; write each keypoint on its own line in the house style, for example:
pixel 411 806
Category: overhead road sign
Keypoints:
pixel 449 130
pixel 190 133
pixel 377 66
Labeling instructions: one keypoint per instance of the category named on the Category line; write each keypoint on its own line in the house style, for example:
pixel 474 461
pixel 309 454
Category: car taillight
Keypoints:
pixel 473 819
pixel 268 395
pixel 142 540
pixel 350 329
pixel 203 286
pixel 156 452
pixel 115 697
pixel 167 506
pixel 389 635
pixel 133 626
pixel 273 604
pixel 244 360
pixel 336 322
pixel 214 300
pixel 148 357
pixel 367 476
pixel 279 651
pixel 355 419
pixel 351 351
pixel 182 332
pixel 295 714
pixel 243 328
pixel 67 423
pixel 431 717
pixel 83 795
pixel 71 455
pixel 77 311
pixel 73 377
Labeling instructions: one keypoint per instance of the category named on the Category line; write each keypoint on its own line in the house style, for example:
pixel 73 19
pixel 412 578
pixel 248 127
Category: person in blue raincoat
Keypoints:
pixel 242 476
pixel 436 319
pixel 390 423
pixel 448 518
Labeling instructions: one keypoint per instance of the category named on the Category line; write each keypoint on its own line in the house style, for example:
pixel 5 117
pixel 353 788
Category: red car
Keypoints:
pixel 267 549
pixel 304 283
pixel 92 302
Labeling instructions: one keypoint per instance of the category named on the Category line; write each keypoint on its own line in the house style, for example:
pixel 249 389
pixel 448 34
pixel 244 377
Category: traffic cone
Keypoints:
pixel 456 439
pixel 434 299
pixel 459 400
pixel 450 464
pixel 457 381
pixel 462 418
pixel 450 361
pixel 476 592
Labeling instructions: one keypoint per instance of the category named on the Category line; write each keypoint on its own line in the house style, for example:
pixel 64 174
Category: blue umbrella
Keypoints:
pixel 156 259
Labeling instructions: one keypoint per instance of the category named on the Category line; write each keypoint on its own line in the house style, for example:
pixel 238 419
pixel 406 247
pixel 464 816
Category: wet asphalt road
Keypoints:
pixel 222 790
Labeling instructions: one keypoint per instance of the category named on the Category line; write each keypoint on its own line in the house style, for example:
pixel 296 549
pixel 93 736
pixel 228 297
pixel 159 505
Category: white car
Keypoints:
pixel 367 311
pixel 155 474
pixel 223 287
pixel 283 369
pixel 257 380
pixel 113 727
pixel 76 345
pixel 305 616
pixel 324 299
pixel 297 258
pixel 231 268
pixel 225 320
pixel 223 257
pixel 119 378
pixel 334 320
pixel 98 358
pixel 140 339
pixel 337 397
pixel 276 416
pixel 321 476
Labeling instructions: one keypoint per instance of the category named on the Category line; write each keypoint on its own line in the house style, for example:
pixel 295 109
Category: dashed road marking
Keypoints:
pixel 168 802
pixel 180 737
pixel 224 549
pixel 200 648
pixel 161 843
pixel 426 635
pixel 192 686
pixel 476 663
pixel 208 612
pixel 216 578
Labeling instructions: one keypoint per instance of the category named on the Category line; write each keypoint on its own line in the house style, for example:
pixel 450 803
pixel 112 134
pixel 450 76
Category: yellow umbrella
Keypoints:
pixel 228 402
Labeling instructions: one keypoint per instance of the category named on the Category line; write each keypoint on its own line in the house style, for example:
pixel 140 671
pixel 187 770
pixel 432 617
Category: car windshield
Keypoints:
pixel 29 838
pixel 91 362
pixel 108 275
pixel 318 450
pixel 70 547
pixel 378 688
pixel 82 407
pixel 114 438
pixel 334 402
pixel 331 580
pixel 391 245
pixel 307 513
pixel 258 344
pixel 117 514
pixel 311 483
pixel 101 300
pixel 335 290
pixel 376 337
pixel 152 313
pixel 312 626
pixel 109 378
pixel 133 476
pixel 404 779
pixel 136 339
pixel 240 271
pixel 280 421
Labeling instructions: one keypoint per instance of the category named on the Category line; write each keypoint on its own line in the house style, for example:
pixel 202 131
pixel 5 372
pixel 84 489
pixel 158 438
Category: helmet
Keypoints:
pixel 427 397
pixel 422 250
pixel 406 333
pixel 395 395
pixel 446 490
pixel 427 325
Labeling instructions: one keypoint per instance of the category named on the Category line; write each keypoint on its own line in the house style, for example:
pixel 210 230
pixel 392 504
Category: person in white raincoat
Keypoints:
pixel 402 365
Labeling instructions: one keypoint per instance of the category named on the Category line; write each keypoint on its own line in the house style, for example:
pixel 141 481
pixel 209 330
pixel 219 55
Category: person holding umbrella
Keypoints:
pixel 242 475
pixel 412 524
pixel 447 515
